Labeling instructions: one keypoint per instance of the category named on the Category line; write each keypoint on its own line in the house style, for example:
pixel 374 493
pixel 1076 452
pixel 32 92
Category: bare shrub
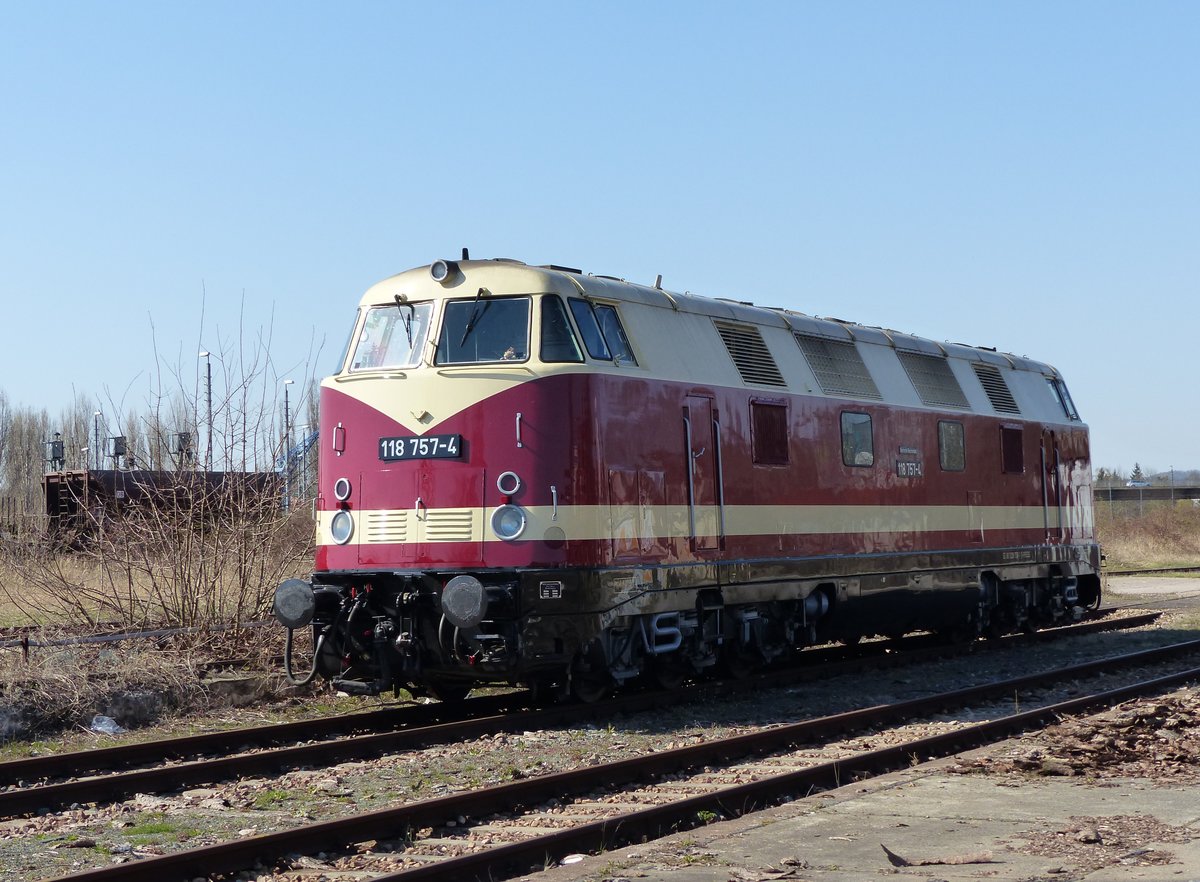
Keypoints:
pixel 62 687
pixel 182 520
pixel 191 554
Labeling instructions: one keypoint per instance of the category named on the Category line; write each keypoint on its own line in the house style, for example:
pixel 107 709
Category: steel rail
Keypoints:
pixel 127 755
pixel 48 797
pixel 734 801
pixel 395 822
pixel 489 715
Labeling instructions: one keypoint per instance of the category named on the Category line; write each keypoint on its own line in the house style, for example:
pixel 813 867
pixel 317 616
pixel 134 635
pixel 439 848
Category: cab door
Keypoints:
pixel 703 469
pixel 1052 495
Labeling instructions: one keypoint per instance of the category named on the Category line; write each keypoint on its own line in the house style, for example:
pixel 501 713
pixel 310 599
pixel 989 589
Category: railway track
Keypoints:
pixel 161 766
pixel 677 803
pixel 1154 571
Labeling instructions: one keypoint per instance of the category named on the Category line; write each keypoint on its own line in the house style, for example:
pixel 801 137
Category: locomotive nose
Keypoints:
pixel 294 604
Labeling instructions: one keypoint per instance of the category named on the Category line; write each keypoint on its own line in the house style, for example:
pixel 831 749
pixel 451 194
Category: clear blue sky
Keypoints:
pixel 1018 175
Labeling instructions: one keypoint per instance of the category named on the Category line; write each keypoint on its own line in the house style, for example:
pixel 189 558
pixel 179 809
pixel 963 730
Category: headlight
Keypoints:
pixel 508 521
pixel 442 270
pixel 294 604
pixel 341 489
pixel 342 527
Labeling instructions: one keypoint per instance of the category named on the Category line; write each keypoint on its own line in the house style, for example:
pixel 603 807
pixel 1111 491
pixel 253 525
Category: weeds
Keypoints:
pixel 1157 534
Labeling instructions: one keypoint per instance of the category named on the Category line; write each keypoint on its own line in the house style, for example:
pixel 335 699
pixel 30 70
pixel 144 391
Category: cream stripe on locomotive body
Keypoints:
pixel 556 462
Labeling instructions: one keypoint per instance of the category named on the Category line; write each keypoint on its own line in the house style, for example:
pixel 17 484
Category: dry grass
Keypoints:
pixel 155 569
pixel 136 681
pixel 1153 535
pixel 61 687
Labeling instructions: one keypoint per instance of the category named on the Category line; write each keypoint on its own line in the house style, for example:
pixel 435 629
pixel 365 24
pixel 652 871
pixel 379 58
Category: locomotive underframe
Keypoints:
pixel 587 629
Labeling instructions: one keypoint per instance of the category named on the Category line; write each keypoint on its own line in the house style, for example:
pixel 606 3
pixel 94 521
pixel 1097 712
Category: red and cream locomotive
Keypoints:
pixel 534 475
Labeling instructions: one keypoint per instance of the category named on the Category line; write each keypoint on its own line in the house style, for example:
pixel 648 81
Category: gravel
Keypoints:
pixel 1155 739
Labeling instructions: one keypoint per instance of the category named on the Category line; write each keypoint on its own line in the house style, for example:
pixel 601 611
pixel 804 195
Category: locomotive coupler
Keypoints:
pixel 381 643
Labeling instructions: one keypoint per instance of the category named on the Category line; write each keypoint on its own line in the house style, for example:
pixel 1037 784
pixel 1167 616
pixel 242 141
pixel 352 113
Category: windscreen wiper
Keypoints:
pixel 476 314
pixel 412 311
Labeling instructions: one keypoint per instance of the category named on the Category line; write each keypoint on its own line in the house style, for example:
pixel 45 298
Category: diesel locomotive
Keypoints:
pixel 534 475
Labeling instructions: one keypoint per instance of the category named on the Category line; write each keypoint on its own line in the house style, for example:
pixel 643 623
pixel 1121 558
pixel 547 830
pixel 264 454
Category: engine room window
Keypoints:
pixel 858 448
pixel 392 336
pixel 484 329
pixel 558 340
pixel 952 449
pixel 602 332
pixel 769 432
pixel 1012 449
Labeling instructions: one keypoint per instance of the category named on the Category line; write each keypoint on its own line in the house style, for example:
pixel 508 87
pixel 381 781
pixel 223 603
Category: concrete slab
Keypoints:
pixel 1153 586
pixel 923 814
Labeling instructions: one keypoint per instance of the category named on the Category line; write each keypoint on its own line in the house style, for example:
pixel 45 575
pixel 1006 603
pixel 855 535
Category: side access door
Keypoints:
pixel 706 511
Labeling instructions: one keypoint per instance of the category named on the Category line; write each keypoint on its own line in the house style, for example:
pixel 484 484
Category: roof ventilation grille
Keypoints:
pixel 997 390
pixel 838 367
pixel 750 354
pixel 933 379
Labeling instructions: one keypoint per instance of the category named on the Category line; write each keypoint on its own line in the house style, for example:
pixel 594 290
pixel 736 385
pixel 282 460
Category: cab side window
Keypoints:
pixel 558 340
pixel 614 334
pixel 602 332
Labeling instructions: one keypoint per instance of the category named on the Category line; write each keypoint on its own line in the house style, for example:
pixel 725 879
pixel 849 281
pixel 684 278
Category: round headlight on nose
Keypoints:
pixel 341 489
pixel 341 527
pixel 508 521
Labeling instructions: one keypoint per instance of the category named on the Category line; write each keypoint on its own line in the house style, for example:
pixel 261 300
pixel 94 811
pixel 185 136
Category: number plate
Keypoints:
pixel 426 447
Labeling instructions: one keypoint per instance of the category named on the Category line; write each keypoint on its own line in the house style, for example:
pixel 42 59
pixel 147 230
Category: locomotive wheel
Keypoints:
pixel 588 689
pixel 956 636
pixel 450 693
pixel 668 675
pixel 738 666
pixel 588 674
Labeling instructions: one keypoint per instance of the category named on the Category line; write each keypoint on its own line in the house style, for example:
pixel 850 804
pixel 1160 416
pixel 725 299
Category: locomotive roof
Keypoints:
pixel 507 276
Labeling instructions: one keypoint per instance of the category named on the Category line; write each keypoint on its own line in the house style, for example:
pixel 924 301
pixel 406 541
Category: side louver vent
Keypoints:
pixel 449 525
pixel 997 390
pixel 750 354
pixel 838 367
pixel 386 526
pixel 933 379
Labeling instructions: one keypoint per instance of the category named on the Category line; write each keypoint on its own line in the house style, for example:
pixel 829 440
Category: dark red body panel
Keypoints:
pixel 638 452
